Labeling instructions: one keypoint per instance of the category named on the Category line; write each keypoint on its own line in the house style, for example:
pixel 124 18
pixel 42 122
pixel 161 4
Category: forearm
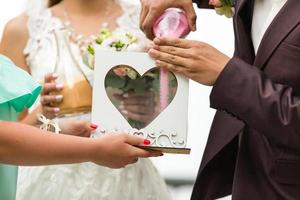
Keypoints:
pixel 25 145
pixel 30 118
pixel 250 95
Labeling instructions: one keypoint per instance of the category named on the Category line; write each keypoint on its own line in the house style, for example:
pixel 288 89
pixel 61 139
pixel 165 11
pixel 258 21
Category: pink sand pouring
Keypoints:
pixel 172 23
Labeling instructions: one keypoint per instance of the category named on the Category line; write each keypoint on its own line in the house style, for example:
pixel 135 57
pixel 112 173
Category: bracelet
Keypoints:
pixel 48 124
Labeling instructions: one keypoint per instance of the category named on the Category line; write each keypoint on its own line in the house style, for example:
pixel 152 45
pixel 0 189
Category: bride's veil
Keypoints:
pixel 32 7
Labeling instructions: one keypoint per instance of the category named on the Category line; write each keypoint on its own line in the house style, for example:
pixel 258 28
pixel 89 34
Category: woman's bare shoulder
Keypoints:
pixel 16 26
pixel 14 39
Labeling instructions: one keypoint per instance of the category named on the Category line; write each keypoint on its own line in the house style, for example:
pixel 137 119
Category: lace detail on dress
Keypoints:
pixel 129 21
pixel 130 18
pixel 41 45
pixel 40 50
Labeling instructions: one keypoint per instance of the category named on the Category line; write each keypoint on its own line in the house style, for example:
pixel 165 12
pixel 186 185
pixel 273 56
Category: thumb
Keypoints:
pixel 136 140
pixel 141 152
pixel 191 16
pixel 87 126
pixel 145 153
pixel 92 126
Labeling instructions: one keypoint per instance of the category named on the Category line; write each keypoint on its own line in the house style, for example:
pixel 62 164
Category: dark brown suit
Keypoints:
pixel 258 96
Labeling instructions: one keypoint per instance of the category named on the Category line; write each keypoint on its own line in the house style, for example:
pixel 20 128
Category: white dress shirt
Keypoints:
pixel 263 15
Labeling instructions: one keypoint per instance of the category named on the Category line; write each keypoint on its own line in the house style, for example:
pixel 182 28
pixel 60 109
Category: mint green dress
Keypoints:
pixel 17 91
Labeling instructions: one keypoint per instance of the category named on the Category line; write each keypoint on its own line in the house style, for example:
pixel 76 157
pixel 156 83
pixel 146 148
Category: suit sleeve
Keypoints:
pixel 202 4
pixel 248 94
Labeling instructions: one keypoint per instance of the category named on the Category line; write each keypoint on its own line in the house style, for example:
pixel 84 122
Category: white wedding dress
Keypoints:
pixel 86 181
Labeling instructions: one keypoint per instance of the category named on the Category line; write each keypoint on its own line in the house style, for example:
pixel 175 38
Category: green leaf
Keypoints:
pixel 87 59
pixel 91 50
pixel 114 81
pixel 228 11
pixel 118 45
pixel 131 73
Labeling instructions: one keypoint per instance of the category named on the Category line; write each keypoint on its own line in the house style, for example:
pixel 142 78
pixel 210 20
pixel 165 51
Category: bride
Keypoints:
pixel 30 42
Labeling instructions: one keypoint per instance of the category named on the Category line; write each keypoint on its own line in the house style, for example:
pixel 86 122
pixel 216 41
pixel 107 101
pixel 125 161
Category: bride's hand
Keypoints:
pixel 47 99
pixel 77 128
pixel 119 150
pixel 136 107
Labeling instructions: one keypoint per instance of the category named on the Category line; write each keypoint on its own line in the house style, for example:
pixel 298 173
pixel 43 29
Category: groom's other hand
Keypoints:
pixel 196 60
pixel 152 9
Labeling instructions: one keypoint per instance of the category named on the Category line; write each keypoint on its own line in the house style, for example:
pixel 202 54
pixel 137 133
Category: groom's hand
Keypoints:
pixel 152 9
pixel 196 60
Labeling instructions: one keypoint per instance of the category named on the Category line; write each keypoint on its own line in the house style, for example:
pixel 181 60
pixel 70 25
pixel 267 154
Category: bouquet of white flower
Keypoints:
pixel 109 41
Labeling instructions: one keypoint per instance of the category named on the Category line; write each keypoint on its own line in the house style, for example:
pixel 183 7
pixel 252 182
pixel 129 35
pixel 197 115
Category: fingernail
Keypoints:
pixel 147 142
pixel 151 46
pixel 125 112
pixel 94 126
pixel 121 107
pixel 156 40
pixel 55 75
pixel 56 110
pixel 156 47
pixel 151 52
pixel 59 86
pixel 59 97
pixel 125 95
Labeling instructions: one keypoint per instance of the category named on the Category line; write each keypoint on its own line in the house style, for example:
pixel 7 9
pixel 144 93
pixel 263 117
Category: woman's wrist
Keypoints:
pixel 93 149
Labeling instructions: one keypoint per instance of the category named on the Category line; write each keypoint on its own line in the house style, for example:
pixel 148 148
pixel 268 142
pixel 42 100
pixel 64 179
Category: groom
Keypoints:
pixel 253 149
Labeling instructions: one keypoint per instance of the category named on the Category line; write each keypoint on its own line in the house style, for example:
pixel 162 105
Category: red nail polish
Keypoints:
pixel 94 126
pixel 147 142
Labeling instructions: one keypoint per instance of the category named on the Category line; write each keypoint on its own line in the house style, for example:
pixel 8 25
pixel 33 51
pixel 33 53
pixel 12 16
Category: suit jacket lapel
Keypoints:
pixel 240 4
pixel 242 27
pixel 287 18
pixel 227 128
pixel 223 123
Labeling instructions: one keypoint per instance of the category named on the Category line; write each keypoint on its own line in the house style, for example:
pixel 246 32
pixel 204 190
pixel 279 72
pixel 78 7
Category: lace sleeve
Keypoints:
pixel 40 50
pixel 130 22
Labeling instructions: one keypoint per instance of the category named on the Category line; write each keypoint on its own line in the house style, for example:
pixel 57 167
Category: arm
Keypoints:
pixel 238 88
pixel 14 40
pixel 25 145
pixel 13 43
pixel 270 108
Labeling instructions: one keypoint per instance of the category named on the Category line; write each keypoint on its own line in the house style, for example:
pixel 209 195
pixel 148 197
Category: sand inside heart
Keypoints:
pixel 137 97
